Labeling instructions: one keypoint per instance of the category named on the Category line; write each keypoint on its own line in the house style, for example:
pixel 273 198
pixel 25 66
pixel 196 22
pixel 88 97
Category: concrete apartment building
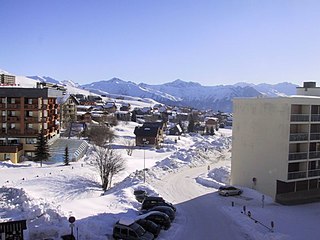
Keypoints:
pixel 276 145
pixel 25 112
pixel 7 79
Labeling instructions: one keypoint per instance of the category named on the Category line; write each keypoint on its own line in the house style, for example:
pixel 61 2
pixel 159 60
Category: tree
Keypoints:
pixel 191 124
pixel 108 163
pixel 42 149
pixel 66 156
pixel 100 134
pixel 134 116
pixel 130 145
pixel 212 131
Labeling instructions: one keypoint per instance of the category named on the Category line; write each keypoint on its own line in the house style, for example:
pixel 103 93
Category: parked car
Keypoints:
pixel 140 195
pixel 150 202
pixel 149 226
pixel 229 190
pixel 157 217
pixel 130 230
pixel 165 209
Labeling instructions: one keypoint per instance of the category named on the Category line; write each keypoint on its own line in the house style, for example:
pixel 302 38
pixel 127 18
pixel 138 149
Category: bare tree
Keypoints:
pixel 108 163
pixel 129 146
pixel 100 134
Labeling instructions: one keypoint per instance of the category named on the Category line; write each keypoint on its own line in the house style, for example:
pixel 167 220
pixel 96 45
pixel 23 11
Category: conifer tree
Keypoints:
pixel 42 149
pixel 66 156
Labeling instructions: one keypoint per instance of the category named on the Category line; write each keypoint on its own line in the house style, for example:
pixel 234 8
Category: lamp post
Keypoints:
pixel 144 159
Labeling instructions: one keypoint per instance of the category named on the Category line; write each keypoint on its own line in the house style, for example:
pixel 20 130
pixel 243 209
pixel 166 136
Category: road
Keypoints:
pixel 198 213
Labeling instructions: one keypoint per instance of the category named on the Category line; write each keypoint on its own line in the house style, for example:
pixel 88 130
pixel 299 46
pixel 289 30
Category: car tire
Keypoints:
pixel 227 195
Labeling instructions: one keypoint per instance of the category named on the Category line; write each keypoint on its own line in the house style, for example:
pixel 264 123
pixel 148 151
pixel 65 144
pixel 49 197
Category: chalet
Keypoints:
pixel 147 135
pixel 123 115
pixel 211 123
pixel 175 130
pixel 68 106
pixel 110 107
pixel 125 107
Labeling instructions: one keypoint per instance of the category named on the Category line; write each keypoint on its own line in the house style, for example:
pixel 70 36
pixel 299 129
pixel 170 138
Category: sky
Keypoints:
pixel 205 41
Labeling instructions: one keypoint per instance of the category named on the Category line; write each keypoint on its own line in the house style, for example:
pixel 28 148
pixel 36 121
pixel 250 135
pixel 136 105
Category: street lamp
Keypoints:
pixel 144 159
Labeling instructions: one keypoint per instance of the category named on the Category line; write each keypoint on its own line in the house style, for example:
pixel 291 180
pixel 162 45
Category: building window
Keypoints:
pixel 4 113
pixel 31 140
pixel 13 100
pixel 29 101
pixel 3 100
pixel 7 156
pixel 12 126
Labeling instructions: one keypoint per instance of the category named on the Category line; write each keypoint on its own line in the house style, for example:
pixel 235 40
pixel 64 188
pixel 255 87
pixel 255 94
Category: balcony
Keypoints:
pixel 13 106
pixel 314 173
pixel 315 117
pixel 314 136
pixel 298 156
pixel 13 131
pixel 299 137
pixel 300 117
pixel 314 154
pixel 31 106
pixel 10 148
pixel 32 119
pixel 31 131
pixel 296 175
pixel 13 119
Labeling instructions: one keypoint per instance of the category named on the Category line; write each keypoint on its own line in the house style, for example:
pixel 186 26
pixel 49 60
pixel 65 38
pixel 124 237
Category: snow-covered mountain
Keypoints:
pixel 193 94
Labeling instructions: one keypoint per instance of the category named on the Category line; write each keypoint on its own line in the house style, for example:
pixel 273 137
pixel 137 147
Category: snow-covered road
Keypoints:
pixel 198 213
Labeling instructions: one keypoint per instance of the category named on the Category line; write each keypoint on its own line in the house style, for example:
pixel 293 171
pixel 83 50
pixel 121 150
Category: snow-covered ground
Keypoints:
pixel 46 196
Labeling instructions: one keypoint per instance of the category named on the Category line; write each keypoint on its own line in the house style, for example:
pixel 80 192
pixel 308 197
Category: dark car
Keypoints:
pixel 149 226
pixel 157 217
pixel 140 195
pixel 130 230
pixel 167 210
pixel 150 202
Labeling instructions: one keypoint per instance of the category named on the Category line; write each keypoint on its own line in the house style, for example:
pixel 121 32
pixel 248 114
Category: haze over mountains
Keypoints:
pixel 181 93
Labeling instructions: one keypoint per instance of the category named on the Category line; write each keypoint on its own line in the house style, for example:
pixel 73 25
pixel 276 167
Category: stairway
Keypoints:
pixel 77 148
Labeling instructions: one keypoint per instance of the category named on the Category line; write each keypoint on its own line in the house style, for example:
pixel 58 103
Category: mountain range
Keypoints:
pixel 182 93
pixel 179 92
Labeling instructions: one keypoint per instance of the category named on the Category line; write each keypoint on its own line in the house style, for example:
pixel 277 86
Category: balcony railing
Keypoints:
pixel 10 148
pixel 298 156
pixel 314 136
pixel 315 117
pixel 14 106
pixel 296 175
pixel 314 154
pixel 32 119
pixel 300 117
pixel 314 173
pixel 13 119
pixel 299 137
pixel 31 106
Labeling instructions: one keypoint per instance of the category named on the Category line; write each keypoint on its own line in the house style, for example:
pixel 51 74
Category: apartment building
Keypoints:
pixel 25 112
pixel 276 147
pixel 7 79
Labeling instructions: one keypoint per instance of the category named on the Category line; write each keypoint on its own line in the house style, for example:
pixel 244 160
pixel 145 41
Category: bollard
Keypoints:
pixel 244 209
pixel 232 203
pixel 249 214
pixel 272 225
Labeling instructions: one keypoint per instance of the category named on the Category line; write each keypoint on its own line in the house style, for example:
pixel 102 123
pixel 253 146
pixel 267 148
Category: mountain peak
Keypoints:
pixel 180 83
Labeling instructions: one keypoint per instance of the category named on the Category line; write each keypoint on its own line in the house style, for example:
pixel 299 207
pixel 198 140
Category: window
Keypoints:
pixel 29 126
pixel 7 156
pixel 3 113
pixel 3 100
pixel 29 101
pixel 31 140
pixel 13 100
pixel 12 126
pixel 124 232
pixel 132 234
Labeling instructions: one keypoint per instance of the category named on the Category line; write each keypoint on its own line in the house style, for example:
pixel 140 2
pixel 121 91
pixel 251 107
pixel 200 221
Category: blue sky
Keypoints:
pixel 157 41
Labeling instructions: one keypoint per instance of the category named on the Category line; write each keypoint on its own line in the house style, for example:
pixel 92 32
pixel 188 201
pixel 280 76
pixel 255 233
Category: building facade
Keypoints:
pixel 25 113
pixel 276 147
pixel 7 79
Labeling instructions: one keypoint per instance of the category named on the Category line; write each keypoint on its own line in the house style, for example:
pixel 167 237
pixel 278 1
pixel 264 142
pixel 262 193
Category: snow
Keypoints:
pixel 46 196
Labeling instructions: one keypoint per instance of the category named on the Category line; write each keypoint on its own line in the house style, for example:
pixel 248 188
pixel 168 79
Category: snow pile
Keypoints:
pixel 215 178
pixel 44 220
